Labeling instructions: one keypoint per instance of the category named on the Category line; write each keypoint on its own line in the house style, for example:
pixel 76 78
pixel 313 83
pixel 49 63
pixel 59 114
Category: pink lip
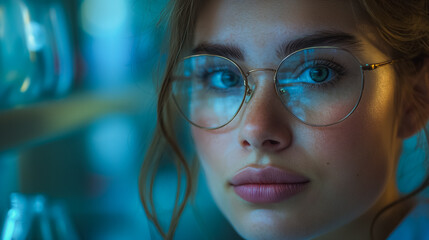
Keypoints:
pixel 267 185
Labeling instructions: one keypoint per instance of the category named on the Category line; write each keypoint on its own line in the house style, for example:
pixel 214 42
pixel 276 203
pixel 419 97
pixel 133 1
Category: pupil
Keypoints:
pixel 319 74
pixel 229 79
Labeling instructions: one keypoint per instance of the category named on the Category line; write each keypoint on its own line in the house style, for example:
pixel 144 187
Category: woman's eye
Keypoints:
pixel 222 79
pixel 314 73
pixel 318 74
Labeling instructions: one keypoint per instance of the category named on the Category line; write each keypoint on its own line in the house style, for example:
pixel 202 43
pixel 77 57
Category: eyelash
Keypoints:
pixel 212 70
pixel 339 71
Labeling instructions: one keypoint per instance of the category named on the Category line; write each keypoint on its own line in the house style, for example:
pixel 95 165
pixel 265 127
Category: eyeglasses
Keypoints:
pixel 320 86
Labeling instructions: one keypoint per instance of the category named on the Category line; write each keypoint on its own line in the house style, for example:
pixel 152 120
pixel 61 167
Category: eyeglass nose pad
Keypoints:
pixel 249 93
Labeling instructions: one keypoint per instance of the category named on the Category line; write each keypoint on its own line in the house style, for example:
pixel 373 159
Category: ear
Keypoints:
pixel 415 112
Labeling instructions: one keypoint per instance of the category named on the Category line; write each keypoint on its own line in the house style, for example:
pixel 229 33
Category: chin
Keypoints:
pixel 271 224
pixel 268 234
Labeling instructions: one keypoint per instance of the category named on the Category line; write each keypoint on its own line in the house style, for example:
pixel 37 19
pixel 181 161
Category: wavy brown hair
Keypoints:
pixel 404 27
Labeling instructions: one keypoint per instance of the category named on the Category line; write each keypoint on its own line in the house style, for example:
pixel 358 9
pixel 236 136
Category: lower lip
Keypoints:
pixel 268 193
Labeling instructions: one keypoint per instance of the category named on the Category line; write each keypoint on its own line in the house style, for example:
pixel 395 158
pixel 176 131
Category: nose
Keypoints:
pixel 265 121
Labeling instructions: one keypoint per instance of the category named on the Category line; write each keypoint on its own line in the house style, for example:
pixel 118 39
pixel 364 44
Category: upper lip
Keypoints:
pixel 267 175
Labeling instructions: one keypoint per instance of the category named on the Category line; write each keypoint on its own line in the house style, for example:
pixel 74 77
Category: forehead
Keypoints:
pixel 255 25
pixel 226 17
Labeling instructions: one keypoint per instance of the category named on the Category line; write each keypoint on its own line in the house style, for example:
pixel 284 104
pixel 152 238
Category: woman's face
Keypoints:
pixel 334 178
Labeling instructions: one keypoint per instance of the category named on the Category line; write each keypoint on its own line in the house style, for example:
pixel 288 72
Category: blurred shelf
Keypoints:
pixel 43 121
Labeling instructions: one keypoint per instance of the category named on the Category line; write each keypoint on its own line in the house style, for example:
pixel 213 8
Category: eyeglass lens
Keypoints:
pixel 320 86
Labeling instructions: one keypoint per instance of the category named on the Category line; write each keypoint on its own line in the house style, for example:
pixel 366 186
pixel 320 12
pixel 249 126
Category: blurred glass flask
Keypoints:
pixel 35 53
pixel 31 217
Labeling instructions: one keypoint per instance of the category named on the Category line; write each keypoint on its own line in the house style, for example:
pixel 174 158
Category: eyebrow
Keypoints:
pixel 225 50
pixel 320 38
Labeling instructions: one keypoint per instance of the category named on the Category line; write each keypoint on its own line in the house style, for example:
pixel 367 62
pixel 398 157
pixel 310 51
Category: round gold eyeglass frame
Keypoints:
pixel 250 90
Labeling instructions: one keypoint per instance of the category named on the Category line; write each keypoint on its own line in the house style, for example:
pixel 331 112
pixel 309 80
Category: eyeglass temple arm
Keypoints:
pixel 376 65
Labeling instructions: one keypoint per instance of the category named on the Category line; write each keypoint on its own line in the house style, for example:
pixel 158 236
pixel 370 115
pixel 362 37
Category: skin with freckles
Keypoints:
pixel 351 165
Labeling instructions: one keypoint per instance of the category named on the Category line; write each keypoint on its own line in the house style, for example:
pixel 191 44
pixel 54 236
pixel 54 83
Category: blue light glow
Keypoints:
pixel 101 17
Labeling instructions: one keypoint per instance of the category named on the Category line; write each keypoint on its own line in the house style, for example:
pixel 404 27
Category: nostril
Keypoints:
pixel 245 143
pixel 266 145
pixel 271 143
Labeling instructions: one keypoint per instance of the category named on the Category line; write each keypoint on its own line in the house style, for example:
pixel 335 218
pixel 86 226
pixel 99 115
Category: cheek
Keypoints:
pixel 213 111
pixel 356 158
pixel 353 159
pixel 366 137
pixel 219 159
pixel 214 150
pixel 353 170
